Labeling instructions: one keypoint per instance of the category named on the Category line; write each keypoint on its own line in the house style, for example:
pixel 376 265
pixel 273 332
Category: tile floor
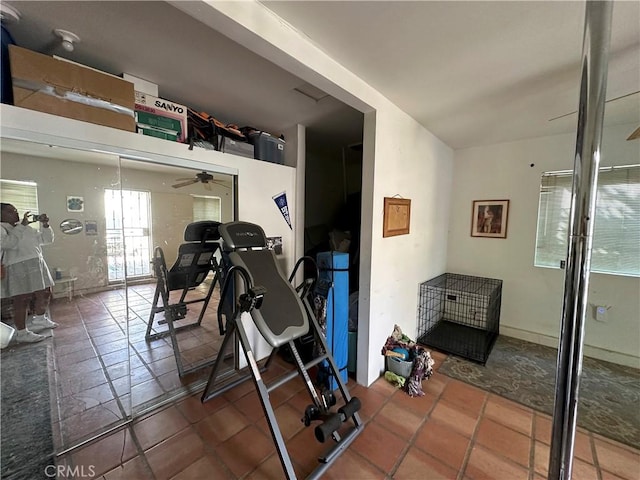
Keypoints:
pixel 93 358
pixel 455 431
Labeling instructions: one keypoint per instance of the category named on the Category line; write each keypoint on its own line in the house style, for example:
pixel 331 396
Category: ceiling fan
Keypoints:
pixel 203 177
pixel 634 135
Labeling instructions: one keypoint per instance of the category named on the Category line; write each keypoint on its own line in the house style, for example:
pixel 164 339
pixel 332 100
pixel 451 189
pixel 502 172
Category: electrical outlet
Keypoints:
pixel 601 313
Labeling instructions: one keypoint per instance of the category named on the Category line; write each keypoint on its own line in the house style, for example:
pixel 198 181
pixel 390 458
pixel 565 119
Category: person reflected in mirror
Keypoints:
pixel 27 277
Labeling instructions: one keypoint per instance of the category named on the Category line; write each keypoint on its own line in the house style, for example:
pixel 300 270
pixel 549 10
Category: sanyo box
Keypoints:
pixel 71 90
pixel 160 118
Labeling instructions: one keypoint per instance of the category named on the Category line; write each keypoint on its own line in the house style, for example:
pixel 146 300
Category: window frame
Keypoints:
pixel 27 201
pixel 559 209
pixel 215 198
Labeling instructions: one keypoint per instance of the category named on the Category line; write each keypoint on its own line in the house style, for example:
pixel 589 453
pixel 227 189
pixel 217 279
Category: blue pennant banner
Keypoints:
pixel 281 202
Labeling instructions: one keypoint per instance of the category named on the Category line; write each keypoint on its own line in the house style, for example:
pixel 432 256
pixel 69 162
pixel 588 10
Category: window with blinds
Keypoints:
pixel 22 195
pixel 206 208
pixel 616 236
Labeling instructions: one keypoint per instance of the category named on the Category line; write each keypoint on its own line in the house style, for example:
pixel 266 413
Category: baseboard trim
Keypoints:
pixel 589 351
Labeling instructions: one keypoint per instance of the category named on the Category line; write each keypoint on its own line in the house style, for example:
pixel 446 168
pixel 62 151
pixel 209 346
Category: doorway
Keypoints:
pixel 128 227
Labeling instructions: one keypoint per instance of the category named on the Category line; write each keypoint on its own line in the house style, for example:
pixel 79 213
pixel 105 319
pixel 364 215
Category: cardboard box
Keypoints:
pixel 70 90
pixel 141 85
pixel 159 108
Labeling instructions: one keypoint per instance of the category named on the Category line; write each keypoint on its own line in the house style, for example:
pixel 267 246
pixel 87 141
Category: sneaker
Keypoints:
pixel 38 323
pixel 26 336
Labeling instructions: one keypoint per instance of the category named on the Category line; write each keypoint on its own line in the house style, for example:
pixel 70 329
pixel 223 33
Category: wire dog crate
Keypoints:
pixel 460 314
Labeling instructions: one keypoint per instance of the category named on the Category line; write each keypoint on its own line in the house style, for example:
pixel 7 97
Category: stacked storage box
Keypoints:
pixel 267 147
pixel 160 118
pixel 235 147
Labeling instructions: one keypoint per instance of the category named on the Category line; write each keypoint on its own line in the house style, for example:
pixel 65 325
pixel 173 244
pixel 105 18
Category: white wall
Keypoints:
pixel 412 163
pixel 84 256
pixel 80 255
pixel 400 157
pixel 257 185
pixel 532 296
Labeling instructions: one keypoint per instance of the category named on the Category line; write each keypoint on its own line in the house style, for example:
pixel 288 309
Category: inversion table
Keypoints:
pixel 196 259
pixel 281 314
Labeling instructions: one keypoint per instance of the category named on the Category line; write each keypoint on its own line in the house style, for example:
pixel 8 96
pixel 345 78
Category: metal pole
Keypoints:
pixel 595 51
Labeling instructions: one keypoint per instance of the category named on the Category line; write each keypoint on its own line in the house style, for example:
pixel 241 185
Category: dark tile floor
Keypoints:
pixel 93 358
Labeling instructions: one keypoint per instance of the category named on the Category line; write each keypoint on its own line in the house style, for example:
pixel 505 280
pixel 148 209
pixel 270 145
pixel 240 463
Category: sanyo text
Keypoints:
pixel 169 107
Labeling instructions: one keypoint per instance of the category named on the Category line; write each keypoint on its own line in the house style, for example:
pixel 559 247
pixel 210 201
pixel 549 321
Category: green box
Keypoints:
pixel 158 126
pixel 158 133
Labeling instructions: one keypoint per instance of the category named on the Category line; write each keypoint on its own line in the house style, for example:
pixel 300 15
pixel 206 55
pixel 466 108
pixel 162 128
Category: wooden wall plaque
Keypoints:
pixel 397 216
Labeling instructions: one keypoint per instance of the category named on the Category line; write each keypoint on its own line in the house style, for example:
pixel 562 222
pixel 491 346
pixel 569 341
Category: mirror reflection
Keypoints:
pixel 112 355
pixel 71 226
pixel 170 268
pixel 75 397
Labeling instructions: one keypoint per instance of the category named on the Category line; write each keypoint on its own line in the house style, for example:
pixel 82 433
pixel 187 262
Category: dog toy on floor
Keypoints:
pixel 394 379
pixel 422 370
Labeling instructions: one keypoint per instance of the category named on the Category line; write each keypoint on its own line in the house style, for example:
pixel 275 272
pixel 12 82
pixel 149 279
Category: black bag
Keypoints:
pixel 201 131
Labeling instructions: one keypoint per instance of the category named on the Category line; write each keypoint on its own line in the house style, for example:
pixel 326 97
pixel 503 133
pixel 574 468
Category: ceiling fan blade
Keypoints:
pixel 606 101
pixel 184 184
pixel 183 179
pixel 635 135
pixel 221 183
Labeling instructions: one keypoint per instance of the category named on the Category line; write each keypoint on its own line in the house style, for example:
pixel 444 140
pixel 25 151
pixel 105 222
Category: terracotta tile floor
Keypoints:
pixel 454 431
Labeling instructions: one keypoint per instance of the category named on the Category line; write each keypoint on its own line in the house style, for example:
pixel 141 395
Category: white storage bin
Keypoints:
pixel 6 334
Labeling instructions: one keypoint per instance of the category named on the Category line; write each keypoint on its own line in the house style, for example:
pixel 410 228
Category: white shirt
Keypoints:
pixel 22 242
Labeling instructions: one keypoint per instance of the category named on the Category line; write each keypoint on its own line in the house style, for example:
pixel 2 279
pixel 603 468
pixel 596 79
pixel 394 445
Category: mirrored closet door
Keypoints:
pixel 170 215
pixel 80 373
pixel 112 356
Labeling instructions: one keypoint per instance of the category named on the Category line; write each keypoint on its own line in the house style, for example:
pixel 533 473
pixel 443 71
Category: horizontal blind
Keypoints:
pixel 206 208
pixel 616 237
pixel 22 195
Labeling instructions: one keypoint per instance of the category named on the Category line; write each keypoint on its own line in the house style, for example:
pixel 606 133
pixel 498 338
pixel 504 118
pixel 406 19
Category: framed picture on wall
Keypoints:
pixel 75 203
pixel 90 227
pixel 489 218
pixel 397 216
